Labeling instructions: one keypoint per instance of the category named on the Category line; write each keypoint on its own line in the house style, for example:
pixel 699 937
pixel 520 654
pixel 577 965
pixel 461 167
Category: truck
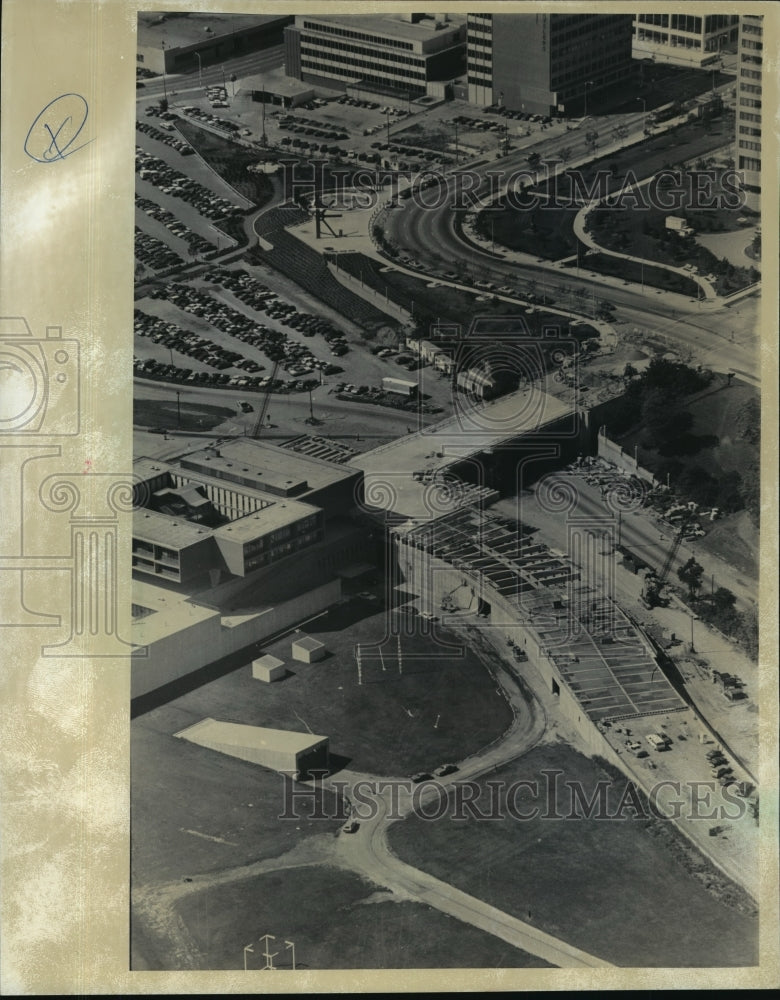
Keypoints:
pixel 400 387
pixel 678 224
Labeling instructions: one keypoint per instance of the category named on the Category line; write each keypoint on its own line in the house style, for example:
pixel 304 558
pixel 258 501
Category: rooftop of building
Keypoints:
pixel 390 25
pixel 474 428
pixel 253 526
pixel 162 529
pixel 180 29
pixel 274 82
pixel 308 642
pixel 272 467
pixel 254 737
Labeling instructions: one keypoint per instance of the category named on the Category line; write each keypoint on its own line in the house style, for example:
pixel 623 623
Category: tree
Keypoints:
pixel 534 159
pixel 565 154
pixel 592 138
pixel 691 574
pixel 163 104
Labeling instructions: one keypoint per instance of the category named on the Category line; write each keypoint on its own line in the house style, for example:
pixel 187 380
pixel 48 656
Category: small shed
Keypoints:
pixel 306 649
pixel 268 668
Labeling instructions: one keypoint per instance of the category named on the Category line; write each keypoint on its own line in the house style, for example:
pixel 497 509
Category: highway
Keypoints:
pixel 725 338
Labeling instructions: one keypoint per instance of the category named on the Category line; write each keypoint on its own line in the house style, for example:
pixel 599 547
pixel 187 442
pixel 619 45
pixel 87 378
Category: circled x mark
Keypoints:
pixel 56 128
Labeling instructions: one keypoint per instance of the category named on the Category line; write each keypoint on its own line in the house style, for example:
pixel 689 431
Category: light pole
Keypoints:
pixel 178 408
pixel 644 113
pixel 246 949
pixel 457 154
pixel 200 69
pixel 165 85
pixel 693 618
pixel 387 124
pixel 263 136
pixel 588 83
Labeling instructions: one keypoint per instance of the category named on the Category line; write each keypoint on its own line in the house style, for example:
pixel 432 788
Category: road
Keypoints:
pixel 367 851
pixel 177 86
pixel 725 338
pixel 352 422
pixel 637 531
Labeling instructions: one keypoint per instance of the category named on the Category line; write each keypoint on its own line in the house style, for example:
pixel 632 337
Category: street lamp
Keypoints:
pixel 644 113
pixel 457 154
pixel 588 83
pixel 246 949
pixel 200 69
pixel 165 86
pixel 291 947
pixel 387 123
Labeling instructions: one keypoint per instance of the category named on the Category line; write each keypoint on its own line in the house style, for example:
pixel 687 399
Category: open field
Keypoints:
pixel 339 922
pixel 165 415
pixel 622 890
pixel 389 723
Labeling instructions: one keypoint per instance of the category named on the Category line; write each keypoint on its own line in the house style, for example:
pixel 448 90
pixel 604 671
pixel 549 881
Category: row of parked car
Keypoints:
pixel 153 253
pixel 310 126
pixel 186 342
pixel 149 368
pixel 173 140
pixel 223 124
pixel 260 298
pixel 169 181
pixel 197 244
pixel 520 116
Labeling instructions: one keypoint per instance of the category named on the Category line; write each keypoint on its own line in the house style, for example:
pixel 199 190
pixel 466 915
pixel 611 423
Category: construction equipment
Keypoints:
pixel 652 592
pixel 266 399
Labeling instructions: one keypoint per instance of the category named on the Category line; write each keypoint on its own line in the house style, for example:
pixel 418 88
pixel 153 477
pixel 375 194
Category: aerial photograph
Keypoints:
pixel 446 453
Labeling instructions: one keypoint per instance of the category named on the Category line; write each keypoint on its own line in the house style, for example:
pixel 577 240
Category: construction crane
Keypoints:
pixel 266 399
pixel 654 583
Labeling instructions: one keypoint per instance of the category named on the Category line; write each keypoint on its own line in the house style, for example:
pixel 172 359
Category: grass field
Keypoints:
pixel 613 888
pixel 164 414
pixel 389 723
pixel 230 161
pixel 336 920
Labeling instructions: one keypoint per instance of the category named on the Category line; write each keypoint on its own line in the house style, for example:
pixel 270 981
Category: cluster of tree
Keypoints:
pixel 718 608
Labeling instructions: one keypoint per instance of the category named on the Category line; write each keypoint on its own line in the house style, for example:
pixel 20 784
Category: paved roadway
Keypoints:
pixel 353 422
pixel 368 852
pixel 725 337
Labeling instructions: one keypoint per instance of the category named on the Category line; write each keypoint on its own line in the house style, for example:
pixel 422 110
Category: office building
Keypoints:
pixel 178 42
pixel 748 118
pixel 546 63
pixel 381 53
pixel 683 39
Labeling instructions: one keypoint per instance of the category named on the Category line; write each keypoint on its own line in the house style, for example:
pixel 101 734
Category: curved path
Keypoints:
pixel 721 335
pixel 367 850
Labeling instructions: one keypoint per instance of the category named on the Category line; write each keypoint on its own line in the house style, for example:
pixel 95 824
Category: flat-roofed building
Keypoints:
pixel 391 53
pixel 267 536
pixel 683 39
pixel 546 63
pixel 279 472
pixel 177 42
pixel 750 67
pixel 278 749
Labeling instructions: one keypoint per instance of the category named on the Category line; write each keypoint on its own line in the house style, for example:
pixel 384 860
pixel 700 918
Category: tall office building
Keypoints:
pixel 546 63
pixel 384 53
pixel 683 39
pixel 749 68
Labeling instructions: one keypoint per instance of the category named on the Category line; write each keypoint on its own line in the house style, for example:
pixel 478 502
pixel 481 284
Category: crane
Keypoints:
pixel 266 399
pixel 651 592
